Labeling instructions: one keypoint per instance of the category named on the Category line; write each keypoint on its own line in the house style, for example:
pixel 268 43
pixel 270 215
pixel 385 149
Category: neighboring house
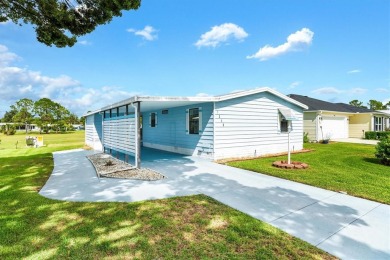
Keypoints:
pixel 386 120
pixel 326 120
pixel 22 127
pixel 242 124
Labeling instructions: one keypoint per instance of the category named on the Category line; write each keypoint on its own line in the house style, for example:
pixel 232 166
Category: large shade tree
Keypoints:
pixel 24 112
pixel 60 22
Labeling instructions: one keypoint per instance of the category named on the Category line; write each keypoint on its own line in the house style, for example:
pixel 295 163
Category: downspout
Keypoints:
pixel 102 132
pixel 214 130
pixel 137 109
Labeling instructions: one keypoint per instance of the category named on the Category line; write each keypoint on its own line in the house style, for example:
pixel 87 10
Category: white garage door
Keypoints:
pixel 334 127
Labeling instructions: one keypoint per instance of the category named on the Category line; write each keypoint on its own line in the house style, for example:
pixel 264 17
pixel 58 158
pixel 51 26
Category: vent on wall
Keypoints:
pixel 164 112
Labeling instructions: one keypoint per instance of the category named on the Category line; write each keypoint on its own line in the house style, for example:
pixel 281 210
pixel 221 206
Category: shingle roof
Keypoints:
pixel 316 104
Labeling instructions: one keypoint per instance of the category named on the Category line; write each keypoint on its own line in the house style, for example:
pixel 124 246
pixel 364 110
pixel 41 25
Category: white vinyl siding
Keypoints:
pixel 92 128
pixel 119 134
pixel 249 126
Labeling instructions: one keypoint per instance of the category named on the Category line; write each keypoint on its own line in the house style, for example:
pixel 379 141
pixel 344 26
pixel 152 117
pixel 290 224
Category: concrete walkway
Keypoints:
pixel 356 141
pixel 345 226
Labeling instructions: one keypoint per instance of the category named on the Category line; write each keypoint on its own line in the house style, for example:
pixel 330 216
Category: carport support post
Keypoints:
pixel 138 134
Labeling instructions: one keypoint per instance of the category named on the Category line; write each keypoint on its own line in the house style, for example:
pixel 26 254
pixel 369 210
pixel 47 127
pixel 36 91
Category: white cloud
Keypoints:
pixel 295 42
pixel 17 83
pixel 84 42
pixel 148 33
pixel 354 71
pixel 6 56
pixel 358 91
pixel 382 90
pixel 220 34
pixel 327 90
pixel 295 84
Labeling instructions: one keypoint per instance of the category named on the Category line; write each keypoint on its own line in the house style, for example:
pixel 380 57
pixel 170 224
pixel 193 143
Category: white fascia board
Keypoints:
pixel 203 99
pixel 259 90
pixel 173 99
pixel 382 112
pixel 92 112
pixel 338 112
pixel 120 103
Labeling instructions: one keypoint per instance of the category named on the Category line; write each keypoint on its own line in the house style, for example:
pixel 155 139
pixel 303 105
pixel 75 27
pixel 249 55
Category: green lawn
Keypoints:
pixel 34 227
pixel 336 166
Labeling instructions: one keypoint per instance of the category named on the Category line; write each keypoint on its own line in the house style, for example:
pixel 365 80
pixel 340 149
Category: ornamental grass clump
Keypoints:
pixel 383 150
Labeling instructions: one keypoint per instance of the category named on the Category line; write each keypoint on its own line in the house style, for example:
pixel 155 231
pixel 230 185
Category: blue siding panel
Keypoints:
pixel 170 130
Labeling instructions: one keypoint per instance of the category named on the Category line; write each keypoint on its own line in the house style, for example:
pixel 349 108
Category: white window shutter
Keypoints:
pixel 150 119
pixel 187 121
pixel 155 118
pixel 200 120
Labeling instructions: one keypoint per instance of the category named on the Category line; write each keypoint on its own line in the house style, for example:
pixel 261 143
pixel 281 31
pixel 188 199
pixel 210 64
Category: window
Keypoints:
pixel 378 123
pixel 122 111
pixel 193 120
pixel 284 119
pixel 153 120
pixel 283 126
pixel 114 112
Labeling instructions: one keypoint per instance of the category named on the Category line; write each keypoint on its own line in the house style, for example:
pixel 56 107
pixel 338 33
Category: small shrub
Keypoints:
pixel 380 135
pixel 306 137
pixel 370 135
pixel 383 150
pixel 11 130
pixel 109 163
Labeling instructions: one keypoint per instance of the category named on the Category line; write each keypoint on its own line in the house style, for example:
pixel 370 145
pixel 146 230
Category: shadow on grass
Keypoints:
pixel 372 160
pixel 184 227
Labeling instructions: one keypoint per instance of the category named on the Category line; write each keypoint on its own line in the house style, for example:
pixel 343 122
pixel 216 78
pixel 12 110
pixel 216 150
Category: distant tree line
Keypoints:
pixel 45 113
pixel 372 104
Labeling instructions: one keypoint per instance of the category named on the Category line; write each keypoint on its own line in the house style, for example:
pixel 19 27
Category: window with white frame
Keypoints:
pixel 285 116
pixel 378 123
pixel 153 119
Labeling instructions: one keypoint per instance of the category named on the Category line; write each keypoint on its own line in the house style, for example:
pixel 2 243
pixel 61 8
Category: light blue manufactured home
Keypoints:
pixel 241 124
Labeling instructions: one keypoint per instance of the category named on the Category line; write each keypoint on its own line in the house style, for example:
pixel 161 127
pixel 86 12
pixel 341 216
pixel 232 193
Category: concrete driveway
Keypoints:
pixel 345 226
pixel 356 141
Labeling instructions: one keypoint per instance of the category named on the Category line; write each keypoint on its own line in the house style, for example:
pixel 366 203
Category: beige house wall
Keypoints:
pixel 310 124
pixel 358 124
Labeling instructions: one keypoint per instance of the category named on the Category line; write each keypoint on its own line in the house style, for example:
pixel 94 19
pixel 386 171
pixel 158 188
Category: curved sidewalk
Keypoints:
pixel 345 226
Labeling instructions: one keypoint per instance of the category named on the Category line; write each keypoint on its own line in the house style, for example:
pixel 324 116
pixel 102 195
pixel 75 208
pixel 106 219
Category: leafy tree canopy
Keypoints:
pixel 8 116
pixel 60 22
pixel 24 111
pixel 376 105
pixel 356 103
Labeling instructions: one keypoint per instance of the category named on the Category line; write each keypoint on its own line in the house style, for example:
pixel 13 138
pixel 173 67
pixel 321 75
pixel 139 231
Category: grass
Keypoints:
pixel 34 227
pixel 336 166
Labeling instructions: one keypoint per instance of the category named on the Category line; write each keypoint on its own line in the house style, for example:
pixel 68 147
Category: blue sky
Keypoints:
pixel 331 50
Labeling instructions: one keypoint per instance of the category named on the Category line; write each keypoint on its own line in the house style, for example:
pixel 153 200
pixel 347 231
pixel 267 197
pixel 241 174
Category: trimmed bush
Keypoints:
pixel 382 134
pixel 383 150
pixel 376 135
pixel 370 135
